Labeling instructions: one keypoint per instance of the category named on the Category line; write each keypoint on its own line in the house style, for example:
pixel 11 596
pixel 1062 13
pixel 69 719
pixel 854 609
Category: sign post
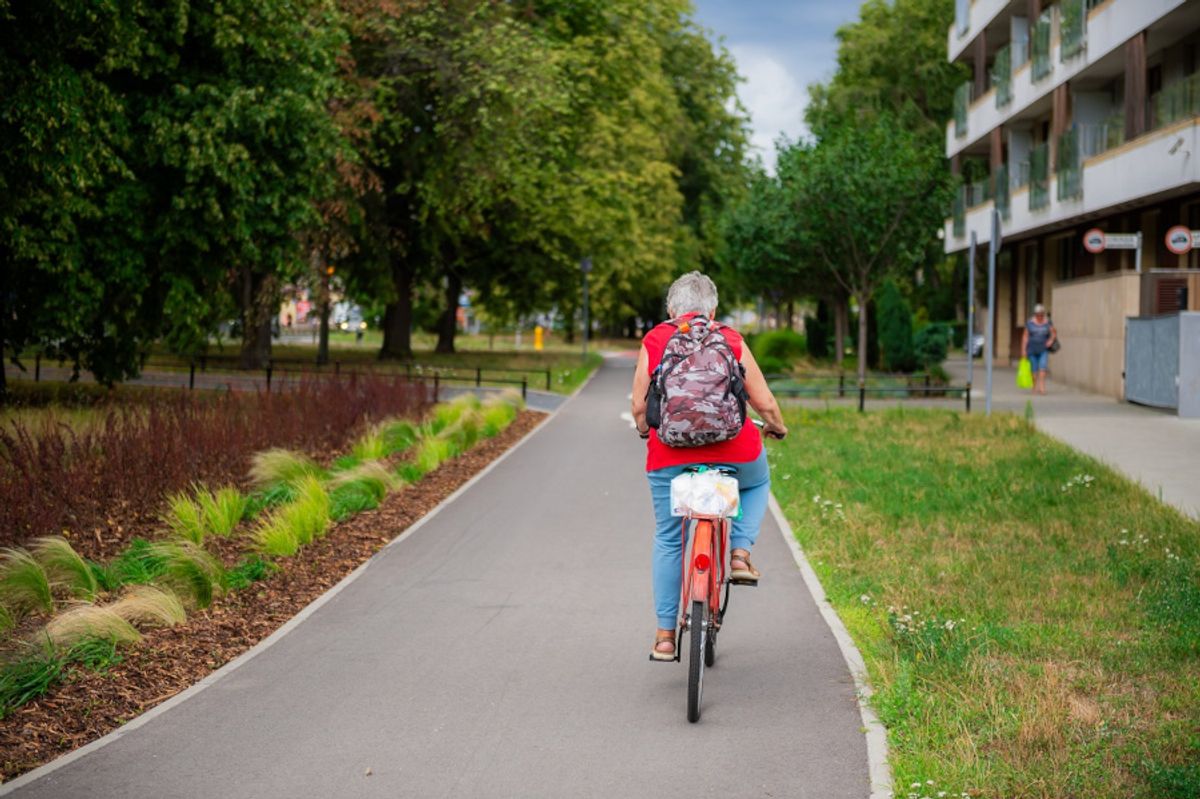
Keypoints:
pixel 971 312
pixel 585 266
pixel 990 346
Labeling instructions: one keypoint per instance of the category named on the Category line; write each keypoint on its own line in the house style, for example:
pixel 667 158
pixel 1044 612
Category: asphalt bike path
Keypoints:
pixel 501 651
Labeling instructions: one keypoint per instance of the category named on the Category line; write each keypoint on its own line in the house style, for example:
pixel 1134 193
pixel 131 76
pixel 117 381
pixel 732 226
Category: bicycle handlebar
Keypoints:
pixel 761 425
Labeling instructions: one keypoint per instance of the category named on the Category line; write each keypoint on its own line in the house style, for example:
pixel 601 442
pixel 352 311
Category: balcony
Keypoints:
pixel 1107 27
pixel 1072 28
pixel 1176 102
pixel 1003 192
pixel 1111 174
pixel 971 17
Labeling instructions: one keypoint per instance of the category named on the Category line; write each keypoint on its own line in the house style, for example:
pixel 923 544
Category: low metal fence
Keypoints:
pixel 842 386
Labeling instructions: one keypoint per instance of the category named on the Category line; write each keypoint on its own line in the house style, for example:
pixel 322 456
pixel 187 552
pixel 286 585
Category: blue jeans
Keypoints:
pixel 754 483
pixel 1040 361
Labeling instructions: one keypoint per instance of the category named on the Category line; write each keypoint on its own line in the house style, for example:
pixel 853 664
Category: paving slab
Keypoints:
pixel 501 651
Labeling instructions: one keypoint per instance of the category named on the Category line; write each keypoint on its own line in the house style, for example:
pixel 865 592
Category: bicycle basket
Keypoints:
pixel 705 493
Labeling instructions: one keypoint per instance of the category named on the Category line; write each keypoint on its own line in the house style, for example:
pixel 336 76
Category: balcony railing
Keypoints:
pixel 978 192
pixel 1042 63
pixel 1039 177
pixel 1020 175
pixel 1003 191
pixel 1102 137
pixel 1002 76
pixel 1069 166
pixel 962 16
pixel 1177 102
pixel 962 104
pixel 959 212
pixel 1020 51
pixel 1072 28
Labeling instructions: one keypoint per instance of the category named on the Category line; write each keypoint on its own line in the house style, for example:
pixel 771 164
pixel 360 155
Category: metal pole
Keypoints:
pixel 990 346
pixel 1137 259
pixel 971 310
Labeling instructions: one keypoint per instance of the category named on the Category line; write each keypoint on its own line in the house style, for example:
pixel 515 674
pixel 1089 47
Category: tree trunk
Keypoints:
pixel 841 314
pixel 791 314
pixel 862 338
pixel 448 324
pixel 397 317
pixel 322 306
pixel 257 302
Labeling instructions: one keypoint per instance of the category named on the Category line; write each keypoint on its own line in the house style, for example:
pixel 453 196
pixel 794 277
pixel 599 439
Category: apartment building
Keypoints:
pixel 1084 115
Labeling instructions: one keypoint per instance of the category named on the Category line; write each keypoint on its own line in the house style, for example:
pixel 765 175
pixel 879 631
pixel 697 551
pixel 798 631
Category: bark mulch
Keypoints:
pixel 87 705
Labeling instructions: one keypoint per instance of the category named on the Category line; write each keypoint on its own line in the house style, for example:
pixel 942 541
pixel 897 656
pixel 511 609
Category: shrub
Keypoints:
pixel 145 605
pixel 370 447
pixel 247 571
pixel 432 452
pixel 281 467
pixel 89 621
pixel 397 435
pixel 770 365
pixel 895 326
pixel 53 476
pixel 778 348
pixel 222 509
pixel 24 586
pixel 298 522
pixel 817 332
pixel 137 564
pixel 275 537
pixel 189 570
pixel 64 567
pixel 372 476
pixel 931 344
pixel 184 518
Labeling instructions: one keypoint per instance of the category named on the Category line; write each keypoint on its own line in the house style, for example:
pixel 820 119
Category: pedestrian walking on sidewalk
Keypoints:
pixel 1039 337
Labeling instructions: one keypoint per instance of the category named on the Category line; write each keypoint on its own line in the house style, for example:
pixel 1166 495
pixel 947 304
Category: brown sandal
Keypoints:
pixel 747 573
pixel 659 638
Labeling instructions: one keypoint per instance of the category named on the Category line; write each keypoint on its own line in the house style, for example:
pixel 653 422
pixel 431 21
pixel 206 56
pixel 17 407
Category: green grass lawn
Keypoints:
pixel 1029 618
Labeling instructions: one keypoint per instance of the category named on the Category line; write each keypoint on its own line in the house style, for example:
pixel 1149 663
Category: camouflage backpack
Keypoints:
pixel 697 393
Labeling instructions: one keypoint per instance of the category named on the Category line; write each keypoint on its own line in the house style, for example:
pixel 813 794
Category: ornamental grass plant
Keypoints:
pixel 65 568
pixel 24 584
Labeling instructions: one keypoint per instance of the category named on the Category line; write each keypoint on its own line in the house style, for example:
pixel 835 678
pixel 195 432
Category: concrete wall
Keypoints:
pixel 1090 316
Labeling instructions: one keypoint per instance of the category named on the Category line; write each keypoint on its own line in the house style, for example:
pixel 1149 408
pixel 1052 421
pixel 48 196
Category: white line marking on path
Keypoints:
pixel 877 762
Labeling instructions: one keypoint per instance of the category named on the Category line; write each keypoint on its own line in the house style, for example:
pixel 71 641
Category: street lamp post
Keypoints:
pixel 585 266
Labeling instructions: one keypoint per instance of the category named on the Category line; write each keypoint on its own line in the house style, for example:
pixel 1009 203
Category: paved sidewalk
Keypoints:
pixel 1152 447
pixel 501 651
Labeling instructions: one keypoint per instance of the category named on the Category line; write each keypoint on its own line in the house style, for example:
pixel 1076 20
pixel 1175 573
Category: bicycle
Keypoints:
pixel 701 605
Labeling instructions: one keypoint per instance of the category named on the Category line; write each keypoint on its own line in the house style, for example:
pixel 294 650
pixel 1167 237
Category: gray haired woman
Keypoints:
pixel 692 300
pixel 1036 342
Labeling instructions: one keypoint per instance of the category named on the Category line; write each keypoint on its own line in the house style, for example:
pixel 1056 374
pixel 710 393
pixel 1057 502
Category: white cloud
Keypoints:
pixel 773 96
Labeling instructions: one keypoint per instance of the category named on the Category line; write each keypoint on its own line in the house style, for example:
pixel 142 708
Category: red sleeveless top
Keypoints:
pixel 743 448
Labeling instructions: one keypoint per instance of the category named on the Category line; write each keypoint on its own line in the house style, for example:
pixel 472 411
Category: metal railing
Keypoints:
pixel 1039 177
pixel 959 212
pixel 1177 102
pixel 1069 166
pixel 979 192
pixel 1020 51
pixel 1002 76
pixel 920 385
pixel 1043 65
pixel 1101 137
pixel 1072 28
pixel 1019 178
pixel 962 104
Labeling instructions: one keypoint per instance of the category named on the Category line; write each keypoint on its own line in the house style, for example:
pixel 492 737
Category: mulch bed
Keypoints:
pixel 88 705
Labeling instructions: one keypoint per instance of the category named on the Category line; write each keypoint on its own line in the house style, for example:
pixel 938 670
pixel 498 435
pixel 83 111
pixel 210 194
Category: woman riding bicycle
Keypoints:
pixel 692 303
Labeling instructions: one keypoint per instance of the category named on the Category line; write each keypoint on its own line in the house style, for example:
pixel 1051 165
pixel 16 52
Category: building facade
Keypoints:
pixel 1086 115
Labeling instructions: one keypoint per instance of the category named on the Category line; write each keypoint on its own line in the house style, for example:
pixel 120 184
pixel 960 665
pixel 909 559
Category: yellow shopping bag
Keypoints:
pixel 1024 374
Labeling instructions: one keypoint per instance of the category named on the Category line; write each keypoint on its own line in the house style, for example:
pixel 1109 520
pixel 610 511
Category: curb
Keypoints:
pixel 878 770
pixel 244 658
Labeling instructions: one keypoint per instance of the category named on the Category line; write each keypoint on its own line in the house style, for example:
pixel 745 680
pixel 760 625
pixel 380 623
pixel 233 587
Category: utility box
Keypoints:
pixel 1189 365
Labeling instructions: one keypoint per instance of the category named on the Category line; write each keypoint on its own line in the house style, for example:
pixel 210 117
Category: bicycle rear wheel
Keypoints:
pixel 696 657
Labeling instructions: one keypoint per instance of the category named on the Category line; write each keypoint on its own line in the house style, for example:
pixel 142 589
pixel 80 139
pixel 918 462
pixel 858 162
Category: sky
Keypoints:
pixel 781 46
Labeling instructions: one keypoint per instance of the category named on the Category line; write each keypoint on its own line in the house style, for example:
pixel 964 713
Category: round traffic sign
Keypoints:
pixel 1179 240
pixel 1094 241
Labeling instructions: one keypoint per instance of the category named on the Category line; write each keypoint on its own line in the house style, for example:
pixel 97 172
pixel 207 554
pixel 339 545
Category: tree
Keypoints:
pixel 867 195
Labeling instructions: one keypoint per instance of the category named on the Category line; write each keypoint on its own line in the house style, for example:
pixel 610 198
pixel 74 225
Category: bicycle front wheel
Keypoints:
pixel 699 630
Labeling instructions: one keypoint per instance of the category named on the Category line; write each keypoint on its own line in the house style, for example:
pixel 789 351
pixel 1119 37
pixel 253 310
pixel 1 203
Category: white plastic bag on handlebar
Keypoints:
pixel 707 493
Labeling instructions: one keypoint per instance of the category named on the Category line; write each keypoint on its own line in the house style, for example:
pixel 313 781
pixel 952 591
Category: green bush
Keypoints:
pixel 895 322
pixel 818 330
pixel 931 344
pixel 776 350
